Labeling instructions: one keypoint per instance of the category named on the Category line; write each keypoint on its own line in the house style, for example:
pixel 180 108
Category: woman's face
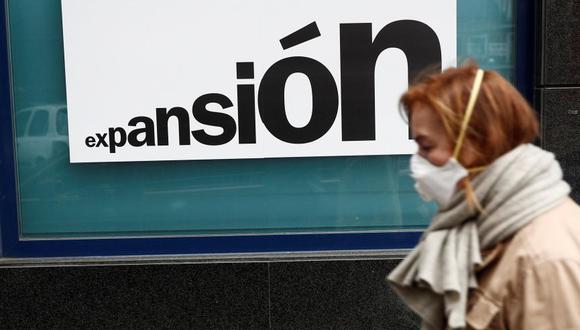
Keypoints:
pixel 429 134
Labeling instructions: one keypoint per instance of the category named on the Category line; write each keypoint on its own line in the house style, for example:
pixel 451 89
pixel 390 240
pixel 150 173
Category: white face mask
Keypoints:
pixel 436 183
pixel 439 183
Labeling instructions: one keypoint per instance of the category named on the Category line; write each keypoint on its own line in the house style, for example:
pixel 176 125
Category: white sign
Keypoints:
pixel 182 79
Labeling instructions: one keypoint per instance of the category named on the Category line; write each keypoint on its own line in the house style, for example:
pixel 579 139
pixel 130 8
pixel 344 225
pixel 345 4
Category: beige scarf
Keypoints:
pixel 434 279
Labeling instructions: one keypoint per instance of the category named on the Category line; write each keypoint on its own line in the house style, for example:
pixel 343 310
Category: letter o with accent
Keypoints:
pixel 272 105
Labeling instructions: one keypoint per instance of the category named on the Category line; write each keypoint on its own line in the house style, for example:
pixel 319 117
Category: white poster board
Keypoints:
pixel 300 90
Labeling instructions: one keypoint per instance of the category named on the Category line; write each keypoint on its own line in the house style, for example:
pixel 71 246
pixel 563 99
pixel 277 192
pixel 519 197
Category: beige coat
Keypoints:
pixel 532 281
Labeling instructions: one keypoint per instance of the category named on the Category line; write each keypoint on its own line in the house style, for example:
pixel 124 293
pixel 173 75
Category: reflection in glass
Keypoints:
pixel 485 33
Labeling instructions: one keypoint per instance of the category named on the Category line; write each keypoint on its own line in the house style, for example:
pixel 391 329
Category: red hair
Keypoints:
pixel 502 119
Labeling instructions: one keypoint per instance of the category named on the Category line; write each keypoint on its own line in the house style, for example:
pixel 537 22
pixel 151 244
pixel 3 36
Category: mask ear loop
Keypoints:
pixel 468 111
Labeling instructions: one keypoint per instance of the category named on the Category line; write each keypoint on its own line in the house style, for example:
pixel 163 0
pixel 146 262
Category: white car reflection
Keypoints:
pixel 41 133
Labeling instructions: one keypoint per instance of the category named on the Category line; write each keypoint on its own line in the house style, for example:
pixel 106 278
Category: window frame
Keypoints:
pixel 13 246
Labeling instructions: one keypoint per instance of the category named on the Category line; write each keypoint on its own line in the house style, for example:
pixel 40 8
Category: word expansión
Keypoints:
pixel 358 57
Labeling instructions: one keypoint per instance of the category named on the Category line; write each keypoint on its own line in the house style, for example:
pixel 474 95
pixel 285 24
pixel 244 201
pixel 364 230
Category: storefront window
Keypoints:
pixel 58 199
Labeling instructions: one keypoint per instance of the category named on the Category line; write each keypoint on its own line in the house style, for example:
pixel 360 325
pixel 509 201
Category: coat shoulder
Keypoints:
pixel 553 235
pixel 546 251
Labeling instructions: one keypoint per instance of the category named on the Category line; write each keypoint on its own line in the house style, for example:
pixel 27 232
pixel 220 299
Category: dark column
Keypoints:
pixel 558 84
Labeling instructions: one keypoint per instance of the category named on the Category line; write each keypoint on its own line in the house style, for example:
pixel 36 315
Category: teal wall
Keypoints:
pixel 59 199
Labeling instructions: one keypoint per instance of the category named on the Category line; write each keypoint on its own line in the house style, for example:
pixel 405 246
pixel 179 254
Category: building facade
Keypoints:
pixel 286 242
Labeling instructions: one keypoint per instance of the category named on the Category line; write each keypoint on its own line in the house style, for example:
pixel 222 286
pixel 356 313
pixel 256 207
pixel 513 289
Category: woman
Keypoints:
pixel 503 251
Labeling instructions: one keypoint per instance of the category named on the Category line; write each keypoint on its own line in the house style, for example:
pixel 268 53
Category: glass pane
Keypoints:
pixel 61 122
pixel 39 123
pixel 59 199
pixel 22 122
pixel 485 32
